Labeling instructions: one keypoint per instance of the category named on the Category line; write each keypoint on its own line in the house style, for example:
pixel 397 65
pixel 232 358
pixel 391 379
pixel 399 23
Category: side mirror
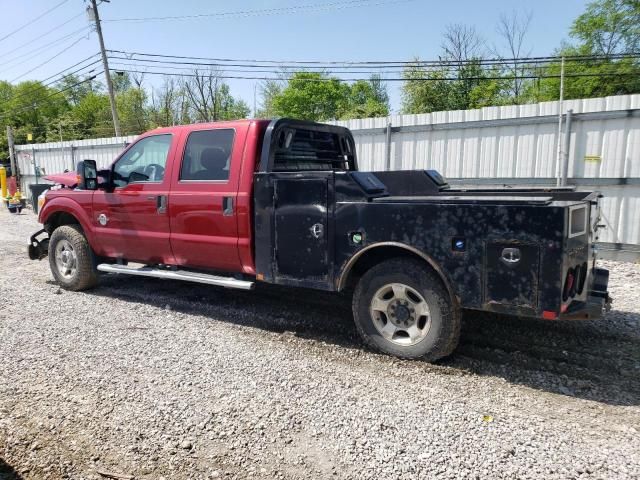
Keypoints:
pixel 87 175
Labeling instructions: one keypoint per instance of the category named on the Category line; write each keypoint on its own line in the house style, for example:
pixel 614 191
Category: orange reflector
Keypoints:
pixel 549 315
pixel 260 277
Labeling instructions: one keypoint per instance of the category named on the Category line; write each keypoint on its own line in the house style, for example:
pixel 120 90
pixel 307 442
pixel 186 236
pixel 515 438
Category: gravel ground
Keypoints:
pixel 156 379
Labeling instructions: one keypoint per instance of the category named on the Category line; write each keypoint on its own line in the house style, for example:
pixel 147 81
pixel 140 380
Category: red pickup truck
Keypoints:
pixel 282 201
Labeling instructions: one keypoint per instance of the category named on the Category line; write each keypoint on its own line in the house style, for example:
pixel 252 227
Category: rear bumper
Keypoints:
pixel 38 249
pixel 597 302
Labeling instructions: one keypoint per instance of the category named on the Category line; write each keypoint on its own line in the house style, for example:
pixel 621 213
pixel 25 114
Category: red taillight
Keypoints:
pixel 569 284
pixel 549 315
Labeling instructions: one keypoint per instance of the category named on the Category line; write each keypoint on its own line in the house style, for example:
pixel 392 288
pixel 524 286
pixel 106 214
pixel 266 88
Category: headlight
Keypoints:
pixel 42 199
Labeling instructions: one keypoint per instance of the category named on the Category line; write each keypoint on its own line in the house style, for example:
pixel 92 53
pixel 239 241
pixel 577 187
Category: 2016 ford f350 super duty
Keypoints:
pixel 283 202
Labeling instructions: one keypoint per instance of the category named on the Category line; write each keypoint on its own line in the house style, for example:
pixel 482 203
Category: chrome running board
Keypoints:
pixel 227 282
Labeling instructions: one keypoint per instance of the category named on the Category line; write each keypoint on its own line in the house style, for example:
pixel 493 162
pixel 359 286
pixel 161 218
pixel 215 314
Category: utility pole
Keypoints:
pixel 12 154
pixel 105 64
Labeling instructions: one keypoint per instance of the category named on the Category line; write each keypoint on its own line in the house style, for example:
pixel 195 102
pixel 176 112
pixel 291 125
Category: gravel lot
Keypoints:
pixel 155 379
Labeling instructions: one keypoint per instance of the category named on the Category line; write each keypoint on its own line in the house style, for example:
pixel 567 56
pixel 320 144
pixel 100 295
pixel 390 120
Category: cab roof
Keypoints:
pixel 199 126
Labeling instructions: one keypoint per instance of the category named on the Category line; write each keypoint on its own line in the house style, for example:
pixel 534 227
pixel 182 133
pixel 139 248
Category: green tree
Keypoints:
pixel 367 99
pixel 269 90
pixel 587 79
pixel 445 88
pixel 168 104
pixel 318 96
pixel 75 88
pixel 229 107
pixel 424 90
pixel 133 111
pixel 121 82
pixel 209 98
pixel 6 92
pixel 31 108
pixel 91 117
pixel 312 96
pixel 608 27
pixel 458 82
pixel 493 90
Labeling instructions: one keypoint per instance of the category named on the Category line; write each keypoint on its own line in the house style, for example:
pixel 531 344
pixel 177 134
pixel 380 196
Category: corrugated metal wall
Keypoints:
pixel 57 157
pixel 518 144
pixel 493 145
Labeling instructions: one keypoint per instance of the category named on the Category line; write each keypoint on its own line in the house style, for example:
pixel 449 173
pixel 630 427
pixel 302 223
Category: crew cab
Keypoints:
pixel 282 201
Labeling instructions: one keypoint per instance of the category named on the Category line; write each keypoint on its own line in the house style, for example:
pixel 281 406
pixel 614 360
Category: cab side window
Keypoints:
pixel 207 155
pixel 145 161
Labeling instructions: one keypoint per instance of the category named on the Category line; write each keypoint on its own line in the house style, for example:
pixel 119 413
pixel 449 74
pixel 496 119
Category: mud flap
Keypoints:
pixel 38 249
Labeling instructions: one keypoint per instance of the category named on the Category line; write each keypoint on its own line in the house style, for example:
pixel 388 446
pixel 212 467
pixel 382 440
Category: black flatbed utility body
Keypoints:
pixel 522 251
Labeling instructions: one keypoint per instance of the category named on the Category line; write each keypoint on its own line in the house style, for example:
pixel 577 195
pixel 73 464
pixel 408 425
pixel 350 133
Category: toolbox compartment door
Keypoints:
pixel 301 246
pixel 511 274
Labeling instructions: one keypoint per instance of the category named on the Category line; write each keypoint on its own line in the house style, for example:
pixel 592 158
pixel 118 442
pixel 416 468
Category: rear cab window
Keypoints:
pixel 308 149
pixel 207 156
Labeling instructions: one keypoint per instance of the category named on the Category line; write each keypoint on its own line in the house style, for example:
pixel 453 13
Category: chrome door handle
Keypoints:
pixel 227 206
pixel 161 203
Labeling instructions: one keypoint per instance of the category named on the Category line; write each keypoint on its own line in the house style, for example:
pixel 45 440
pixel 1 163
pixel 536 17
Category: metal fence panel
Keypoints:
pixel 56 157
pixel 519 142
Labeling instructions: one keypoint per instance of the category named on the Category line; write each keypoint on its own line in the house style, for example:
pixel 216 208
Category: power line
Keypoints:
pixel 73 66
pixel 41 49
pixel 283 69
pixel 34 20
pixel 54 29
pixel 49 59
pixel 34 88
pixel 423 79
pixel 265 11
pixel 394 63
pixel 57 92
pixel 42 84
pixel 143 65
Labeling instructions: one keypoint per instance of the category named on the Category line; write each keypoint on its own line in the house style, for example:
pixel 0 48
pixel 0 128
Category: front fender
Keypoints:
pixel 80 207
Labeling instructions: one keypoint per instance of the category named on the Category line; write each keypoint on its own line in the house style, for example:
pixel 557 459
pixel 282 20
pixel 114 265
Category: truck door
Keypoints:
pixel 203 199
pixel 132 222
pixel 301 227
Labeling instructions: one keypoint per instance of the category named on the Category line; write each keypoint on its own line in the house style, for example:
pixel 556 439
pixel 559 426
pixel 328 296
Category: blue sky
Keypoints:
pixel 391 30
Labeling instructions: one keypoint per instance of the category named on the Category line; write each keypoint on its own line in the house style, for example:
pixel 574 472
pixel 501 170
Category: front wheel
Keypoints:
pixel 402 308
pixel 71 259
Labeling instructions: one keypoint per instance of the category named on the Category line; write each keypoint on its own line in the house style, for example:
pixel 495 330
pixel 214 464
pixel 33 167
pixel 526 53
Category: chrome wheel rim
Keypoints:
pixel 66 259
pixel 400 314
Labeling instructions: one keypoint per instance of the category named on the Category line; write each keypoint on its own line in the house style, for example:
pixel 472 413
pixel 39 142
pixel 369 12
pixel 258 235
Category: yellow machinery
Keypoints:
pixel 3 181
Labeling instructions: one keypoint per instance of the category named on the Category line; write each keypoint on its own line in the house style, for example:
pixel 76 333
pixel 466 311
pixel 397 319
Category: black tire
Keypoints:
pixel 443 321
pixel 85 274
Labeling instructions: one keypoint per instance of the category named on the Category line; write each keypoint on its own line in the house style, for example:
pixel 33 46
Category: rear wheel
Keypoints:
pixel 71 259
pixel 403 309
